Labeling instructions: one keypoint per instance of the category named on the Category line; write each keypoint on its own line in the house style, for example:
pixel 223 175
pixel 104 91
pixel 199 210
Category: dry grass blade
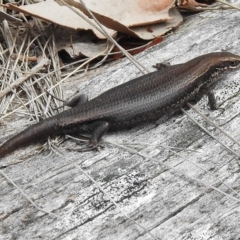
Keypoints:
pixel 214 124
pixel 206 131
pixel 228 4
pixel 22 43
pixel 33 79
pixel 43 63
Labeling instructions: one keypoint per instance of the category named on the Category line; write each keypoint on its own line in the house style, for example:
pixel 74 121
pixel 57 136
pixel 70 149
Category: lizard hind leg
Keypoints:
pixel 98 129
pixel 76 100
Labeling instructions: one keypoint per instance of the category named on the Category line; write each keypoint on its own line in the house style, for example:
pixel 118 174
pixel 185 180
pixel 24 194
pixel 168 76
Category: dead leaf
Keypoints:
pixel 141 19
pixel 138 13
pixel 65 17
pixel 188 4
pixel 120 16
pixel 159 29
pixel 78 43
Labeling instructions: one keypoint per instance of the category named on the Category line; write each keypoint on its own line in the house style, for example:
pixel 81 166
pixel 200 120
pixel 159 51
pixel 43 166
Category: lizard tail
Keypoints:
pixel 32 134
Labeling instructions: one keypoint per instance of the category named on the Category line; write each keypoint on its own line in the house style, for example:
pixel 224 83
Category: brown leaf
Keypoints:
pixel 77 44
pixel 158 29
pixel 139 18
pixel 65 17
pixel 121 15
pixel 191 4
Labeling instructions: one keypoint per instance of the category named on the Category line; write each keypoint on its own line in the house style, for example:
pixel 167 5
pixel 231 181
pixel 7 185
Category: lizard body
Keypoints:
pixel 142 99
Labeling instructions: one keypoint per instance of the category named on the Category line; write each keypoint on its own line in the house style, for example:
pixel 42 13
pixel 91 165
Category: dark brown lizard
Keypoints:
pixel 142 99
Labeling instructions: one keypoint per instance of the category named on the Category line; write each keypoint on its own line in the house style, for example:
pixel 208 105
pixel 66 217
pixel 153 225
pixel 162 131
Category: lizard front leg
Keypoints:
pixel 211 99
pixel 162 65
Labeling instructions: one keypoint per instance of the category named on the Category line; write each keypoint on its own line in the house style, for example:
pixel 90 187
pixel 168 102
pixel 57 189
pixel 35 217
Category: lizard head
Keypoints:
pixel 220 63
pixel 225 61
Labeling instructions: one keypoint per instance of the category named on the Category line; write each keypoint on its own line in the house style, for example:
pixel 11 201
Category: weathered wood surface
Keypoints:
pixel 170 205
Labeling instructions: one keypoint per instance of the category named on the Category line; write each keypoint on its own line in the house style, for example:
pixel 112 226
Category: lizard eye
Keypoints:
pixel 233 63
